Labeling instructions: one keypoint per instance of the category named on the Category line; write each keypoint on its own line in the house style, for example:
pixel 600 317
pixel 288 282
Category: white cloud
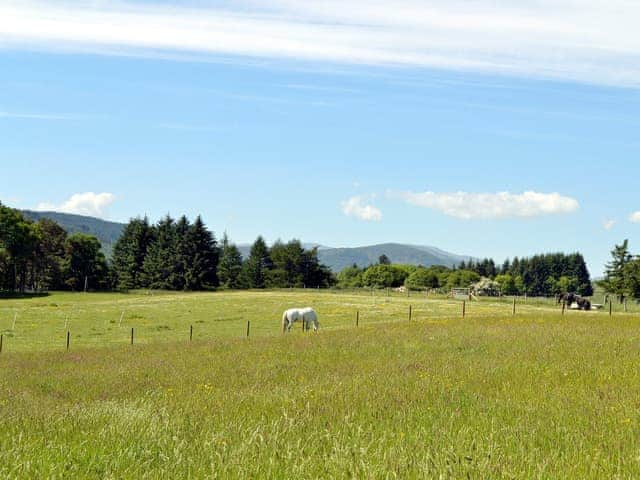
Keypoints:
pixel 357 207
pixel 467 205
pixel 608 224
pixel 593 41
pixel 89 203
pixel 635 217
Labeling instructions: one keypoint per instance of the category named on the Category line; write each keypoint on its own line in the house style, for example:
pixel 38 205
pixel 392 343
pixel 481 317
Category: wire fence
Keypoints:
pixel 70 322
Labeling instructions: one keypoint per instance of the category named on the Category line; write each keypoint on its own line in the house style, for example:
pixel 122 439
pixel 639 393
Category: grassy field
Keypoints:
pixel 536 395
pixel 41 323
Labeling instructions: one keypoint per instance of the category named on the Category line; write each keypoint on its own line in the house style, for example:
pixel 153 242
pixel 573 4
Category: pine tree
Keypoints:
pixel 384 260
pixel 230 266
pixel 160 263
pixel 257 266
pixel 130 252
pixel 184 254
pixel 614 280
pixel 202 256
pixel 580 273
pixel 506 267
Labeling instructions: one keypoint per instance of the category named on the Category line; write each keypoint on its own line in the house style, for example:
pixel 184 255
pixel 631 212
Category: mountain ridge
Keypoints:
pixel 108 233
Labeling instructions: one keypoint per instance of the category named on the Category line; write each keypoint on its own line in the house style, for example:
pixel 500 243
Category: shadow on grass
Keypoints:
pixel 14 295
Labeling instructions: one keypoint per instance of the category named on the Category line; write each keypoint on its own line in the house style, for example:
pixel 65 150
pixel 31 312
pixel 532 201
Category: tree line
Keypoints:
pixel 540 275
pixel 40 256
pixel 622 273
pixel 179 255
pixel 169 255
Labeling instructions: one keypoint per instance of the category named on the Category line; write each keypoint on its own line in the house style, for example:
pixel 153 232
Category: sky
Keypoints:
pixel 486 128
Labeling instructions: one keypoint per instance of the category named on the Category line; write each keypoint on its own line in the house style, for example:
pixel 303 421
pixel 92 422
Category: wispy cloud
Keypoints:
pixel 37 116
pixel 635 217
pixel 358 207
pixel 319 88
pixel 588 41
pixel 466 205
pixel 88 203
pixel 189 127
pixel 608 224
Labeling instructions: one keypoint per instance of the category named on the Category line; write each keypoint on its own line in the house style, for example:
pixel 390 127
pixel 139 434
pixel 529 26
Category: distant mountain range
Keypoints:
pixel 339 258
pixel 335 258
pixel 107 232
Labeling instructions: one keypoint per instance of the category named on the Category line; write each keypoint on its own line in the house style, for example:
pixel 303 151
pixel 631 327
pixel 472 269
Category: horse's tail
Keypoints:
pixel 284 322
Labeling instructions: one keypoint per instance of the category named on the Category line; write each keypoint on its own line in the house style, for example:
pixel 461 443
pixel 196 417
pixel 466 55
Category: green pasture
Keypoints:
pixel 42 323
pixel 535 395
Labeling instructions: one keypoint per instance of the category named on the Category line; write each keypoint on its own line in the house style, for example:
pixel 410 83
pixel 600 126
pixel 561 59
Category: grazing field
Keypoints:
pixel 492 395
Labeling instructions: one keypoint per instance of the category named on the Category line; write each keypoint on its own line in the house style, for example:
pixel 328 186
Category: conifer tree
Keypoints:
pixel 615 270
pixel 160 263
pixel 257 266
pixel 200 257
pixel 230 267
pixel 129 253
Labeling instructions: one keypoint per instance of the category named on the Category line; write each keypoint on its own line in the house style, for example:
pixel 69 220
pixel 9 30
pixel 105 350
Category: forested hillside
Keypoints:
pixel 106 232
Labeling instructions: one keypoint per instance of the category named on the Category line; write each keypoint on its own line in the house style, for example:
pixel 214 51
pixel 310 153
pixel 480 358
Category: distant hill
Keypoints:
pixel 335 258
pixel 339 258
pixel 107 232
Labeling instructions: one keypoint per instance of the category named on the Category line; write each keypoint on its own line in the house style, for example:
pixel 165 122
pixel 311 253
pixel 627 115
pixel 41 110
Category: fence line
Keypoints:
pixel 412 313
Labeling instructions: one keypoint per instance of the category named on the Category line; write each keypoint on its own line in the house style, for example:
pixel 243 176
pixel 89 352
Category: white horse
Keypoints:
pixel 307 316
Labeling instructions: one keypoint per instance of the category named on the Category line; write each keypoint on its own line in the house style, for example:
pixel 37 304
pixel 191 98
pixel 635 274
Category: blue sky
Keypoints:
pixel 486 129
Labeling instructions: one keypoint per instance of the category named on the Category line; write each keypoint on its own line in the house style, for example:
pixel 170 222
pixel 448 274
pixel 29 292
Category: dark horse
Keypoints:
pixel 583 303
pixel 570 298
pixel 567 298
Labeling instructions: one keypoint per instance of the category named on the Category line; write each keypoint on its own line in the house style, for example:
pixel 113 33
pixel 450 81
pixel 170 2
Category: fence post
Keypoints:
pixel 68 339
pixel 248 327
pixel 357 317
pixel 610 308
pixel 191 333
pixel 514 306
pixel 410 312
pixel 625 305
pixel 131 335
pixel 1 339
pixel 464 308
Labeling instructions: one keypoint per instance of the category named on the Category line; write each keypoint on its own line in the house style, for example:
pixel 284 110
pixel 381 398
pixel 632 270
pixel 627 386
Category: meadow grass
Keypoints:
pixel 536 395
pixel 41 323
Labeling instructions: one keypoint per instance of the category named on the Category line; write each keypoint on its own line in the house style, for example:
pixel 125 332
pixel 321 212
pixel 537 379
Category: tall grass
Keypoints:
pixel 491 396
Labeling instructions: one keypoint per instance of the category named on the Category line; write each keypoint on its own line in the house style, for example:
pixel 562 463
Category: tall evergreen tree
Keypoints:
pixel 258 264
pixel 202 256
pixel 230 266
pixel 184 253
pixel 161 262
pixel 614 281
pixel 384 260
pixel 130 251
